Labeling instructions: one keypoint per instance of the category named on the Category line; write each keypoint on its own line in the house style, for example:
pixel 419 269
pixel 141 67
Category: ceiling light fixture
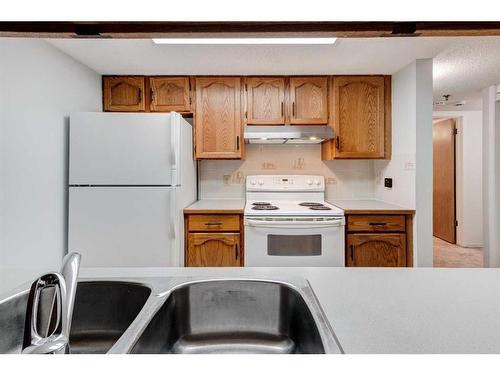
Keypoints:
pixel 236 41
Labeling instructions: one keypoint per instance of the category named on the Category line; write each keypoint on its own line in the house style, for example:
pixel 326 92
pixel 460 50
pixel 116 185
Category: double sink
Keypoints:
pixel 186 315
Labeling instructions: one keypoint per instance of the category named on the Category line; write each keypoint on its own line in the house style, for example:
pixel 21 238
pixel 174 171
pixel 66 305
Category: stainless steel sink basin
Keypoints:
pixel 185 315
pixel 233 316
pixel 103 311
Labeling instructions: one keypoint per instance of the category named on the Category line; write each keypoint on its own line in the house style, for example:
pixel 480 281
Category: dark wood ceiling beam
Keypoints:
pixel 248 29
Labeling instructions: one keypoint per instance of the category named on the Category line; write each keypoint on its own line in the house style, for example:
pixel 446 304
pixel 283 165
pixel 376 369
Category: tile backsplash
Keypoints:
pixel 345 179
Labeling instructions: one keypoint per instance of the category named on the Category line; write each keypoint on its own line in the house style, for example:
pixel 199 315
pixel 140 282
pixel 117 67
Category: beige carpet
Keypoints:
pixel 453 256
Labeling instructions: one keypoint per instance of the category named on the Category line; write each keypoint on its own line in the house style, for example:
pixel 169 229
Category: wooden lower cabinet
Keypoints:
pixel 376 250
pixel 379 239
pixel 213 250
pixel 213 239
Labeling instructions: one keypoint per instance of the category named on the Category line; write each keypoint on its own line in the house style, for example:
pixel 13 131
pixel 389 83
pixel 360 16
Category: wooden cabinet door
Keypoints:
pixel 309 100
pixel 169 94
pixel 265 100
pixel 213 250
pixel 376 250
pixel 123 94
pixel 359 117
pixel 218 118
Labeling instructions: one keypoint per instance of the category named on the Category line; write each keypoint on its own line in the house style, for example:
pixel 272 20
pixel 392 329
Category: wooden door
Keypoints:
pixel 265 100
pixel 443 145
pixel 213 250
pixel 169 94
pixel 309 100
pixel 359 117
pixel 124 94
pixel 376 250
pixel 218 131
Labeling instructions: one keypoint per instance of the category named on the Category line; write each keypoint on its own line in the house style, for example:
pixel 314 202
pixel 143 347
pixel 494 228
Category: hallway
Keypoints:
pixel 453 256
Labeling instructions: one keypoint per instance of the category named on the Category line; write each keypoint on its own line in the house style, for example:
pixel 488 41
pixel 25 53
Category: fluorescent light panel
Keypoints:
pixel 236 41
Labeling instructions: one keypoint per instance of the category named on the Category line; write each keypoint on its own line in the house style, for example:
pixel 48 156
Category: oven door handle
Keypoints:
pixel 294 224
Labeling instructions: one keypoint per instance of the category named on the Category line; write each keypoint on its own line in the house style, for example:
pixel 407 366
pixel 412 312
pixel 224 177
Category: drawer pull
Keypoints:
pixel 236 251
pixel 377 224
pixel 352 253
pixel 214 223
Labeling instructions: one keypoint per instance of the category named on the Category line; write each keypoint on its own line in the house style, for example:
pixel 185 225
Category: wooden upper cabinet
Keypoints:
pixel 218 118
pixel 123 94
pixel 376 250
pixel 359 117
pixel 309 100
pixel 265 100
pixel 169 94
pixel 213 250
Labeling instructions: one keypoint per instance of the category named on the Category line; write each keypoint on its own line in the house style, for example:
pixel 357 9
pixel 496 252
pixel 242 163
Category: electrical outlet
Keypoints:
pixel 388 183
pixel 331 181
pixel 409 165
pixel 226 179
pixel 268 165
pixel 299 163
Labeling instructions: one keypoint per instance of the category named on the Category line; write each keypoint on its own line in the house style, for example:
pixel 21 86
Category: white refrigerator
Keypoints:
pixel 130 176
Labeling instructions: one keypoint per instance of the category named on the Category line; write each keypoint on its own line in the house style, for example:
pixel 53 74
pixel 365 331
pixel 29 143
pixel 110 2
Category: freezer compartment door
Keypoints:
pixel 122 226
pixel 121 149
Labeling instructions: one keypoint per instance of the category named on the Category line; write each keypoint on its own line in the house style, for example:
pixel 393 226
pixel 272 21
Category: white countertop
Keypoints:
pixel 217 205
pixel 404 310
pixel 351 205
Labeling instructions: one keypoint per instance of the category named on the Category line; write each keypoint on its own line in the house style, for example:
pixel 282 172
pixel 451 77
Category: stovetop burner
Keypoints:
pixel 265 207
pixel 320 208
pixel 261 204
pixel 311 204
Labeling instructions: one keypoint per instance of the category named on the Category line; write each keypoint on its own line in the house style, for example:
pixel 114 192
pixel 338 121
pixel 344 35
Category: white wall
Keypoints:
pixel 411 162
pixel 344 178
pixel 39 87
pixel 469 167
pixel 491 177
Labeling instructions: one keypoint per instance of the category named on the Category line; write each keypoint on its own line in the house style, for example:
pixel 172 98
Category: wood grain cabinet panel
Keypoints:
pixel 213 250
pixel 359 117
pixel 218 130
pixel 123 94
pixel 169 94
pixel 376 250
pixel 309 100
pixel 376 223
pixel 213 223
pixel 265 100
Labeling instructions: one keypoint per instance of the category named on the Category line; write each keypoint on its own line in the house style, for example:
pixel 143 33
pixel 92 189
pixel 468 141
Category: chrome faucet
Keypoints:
pixel 61 313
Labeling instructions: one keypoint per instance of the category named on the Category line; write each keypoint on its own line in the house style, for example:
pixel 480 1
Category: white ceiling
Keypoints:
pixel 346 56
pixel 465 67
pixel 462 66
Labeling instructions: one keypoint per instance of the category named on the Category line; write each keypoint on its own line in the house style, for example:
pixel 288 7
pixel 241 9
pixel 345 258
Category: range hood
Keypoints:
pixel 308 134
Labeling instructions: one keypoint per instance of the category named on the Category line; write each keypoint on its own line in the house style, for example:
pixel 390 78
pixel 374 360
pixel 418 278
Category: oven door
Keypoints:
pixel 294 242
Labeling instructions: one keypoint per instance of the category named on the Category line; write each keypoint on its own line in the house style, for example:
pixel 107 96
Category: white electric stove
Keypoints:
pixel 289 224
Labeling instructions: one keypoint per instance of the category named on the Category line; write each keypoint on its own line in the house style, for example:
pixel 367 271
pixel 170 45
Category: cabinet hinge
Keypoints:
pixel 456 223
pixel 455 131
pixel 246 115
pixel 246 87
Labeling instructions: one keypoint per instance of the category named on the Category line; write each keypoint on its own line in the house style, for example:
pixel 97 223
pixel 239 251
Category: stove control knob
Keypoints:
pixel 317 182
pixel 309 182
pixel 253 182
pixel 261 182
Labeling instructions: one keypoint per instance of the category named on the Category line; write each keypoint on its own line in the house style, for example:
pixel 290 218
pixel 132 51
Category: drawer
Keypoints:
pixel 213 223
pixel 376 223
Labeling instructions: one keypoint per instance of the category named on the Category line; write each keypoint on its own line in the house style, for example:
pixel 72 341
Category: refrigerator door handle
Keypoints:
pixel 175 141
pixel 173 212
